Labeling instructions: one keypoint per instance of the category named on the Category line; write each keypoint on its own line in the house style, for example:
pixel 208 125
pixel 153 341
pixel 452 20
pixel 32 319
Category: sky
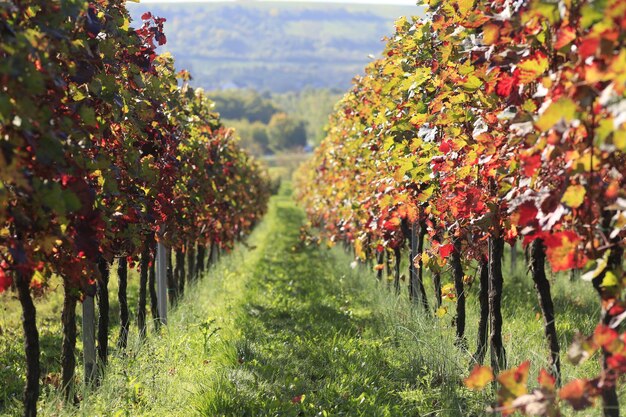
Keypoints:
pixel 389 2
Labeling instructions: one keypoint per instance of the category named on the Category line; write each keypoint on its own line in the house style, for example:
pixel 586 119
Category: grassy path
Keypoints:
pixel 309 342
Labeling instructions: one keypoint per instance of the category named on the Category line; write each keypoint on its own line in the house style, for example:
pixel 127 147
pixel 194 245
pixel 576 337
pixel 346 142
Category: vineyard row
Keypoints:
pixel 107 153
pixel 486 123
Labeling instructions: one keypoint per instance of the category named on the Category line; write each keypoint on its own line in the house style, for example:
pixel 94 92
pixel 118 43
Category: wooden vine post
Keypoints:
pixel 161 272
pixel 413 294
pixel 89 339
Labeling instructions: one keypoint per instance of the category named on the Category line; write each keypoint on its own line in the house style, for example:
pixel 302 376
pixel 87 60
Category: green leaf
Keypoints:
pixel 88 115
pixel 563 109
pixel 473 83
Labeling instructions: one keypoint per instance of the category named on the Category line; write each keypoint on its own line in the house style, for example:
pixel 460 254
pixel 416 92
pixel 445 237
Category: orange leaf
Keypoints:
pixel 546 380
pixel 513 385
pixel 479 378
pixel 564 37
pixel 532 67
pixel 563 251
pixel 576 394
pixel 607 338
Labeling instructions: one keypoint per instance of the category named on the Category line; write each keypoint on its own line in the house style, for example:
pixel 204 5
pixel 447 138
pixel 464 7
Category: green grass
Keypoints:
pixel 309 334
pixel 279 328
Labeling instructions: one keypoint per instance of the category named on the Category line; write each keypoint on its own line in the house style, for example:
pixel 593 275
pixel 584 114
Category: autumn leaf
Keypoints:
pixel 526 213
pixel 564 36
pixel 530 164
pixel 392 224
pixel 5 281
pixel 465 6
pixel 473 83
pixel 576 394
pixel 607 338
pixel 491 34
pixel 574 196
pixel 546 380
pixel 588 47
pixel 359 250
pixel 445 147
pixel 562 251
pixel 617 362
pixel 447 292
pixel 446 250
pixel 532 67
pixel 479 377
pixel 506 84
pixel 513 384
pixel 562 109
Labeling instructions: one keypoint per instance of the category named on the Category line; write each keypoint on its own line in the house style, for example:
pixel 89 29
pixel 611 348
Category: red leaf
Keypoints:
pixel 445 147
pixel 617 362
pixel 446 250
pixel 531 164
pixel 562 251
pixel 297 399
pixel 392 224
pixel 588 47
pixel 506 83
pixel 5 281
pixel 527 213
pixel 546 381
pixel 146 16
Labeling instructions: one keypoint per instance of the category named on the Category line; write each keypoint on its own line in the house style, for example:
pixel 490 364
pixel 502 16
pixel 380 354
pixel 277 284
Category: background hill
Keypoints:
pixel 272 46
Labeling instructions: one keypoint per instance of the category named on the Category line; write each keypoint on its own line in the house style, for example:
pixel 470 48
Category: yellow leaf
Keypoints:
pixel 610 280
pixel 418 119
pixel 441 312
pixel 358 249
pixel 98 174
pixel 619 139
pixel 574 196
pixel 465 6
pixel 479 378
pixel 491 33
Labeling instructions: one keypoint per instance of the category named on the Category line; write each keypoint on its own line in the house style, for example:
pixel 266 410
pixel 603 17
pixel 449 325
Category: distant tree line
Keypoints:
pixel 263 126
